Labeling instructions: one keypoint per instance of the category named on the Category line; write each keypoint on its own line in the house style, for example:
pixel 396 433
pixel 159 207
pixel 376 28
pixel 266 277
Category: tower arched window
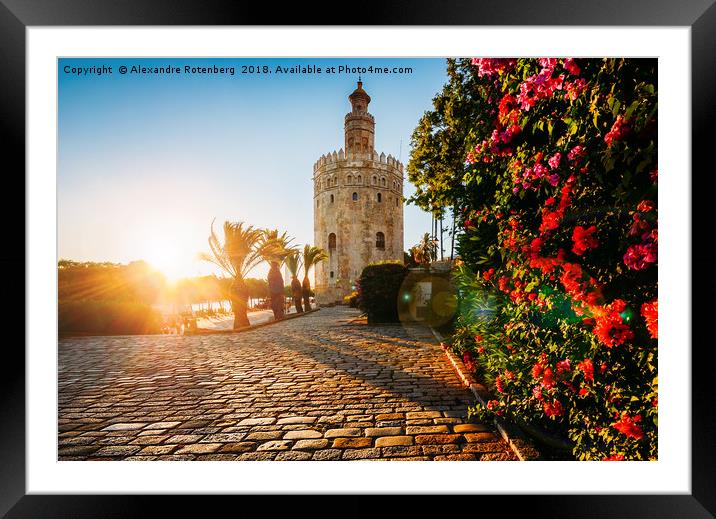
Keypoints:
pixel 380 241
pixel 395 185
pixel 359 179
pixel 379 197
pixel 355 196
pixel 350 179
pixel 397 202
pixel 382 182
pixel 375 180
pixel 331 198
pixel 332 241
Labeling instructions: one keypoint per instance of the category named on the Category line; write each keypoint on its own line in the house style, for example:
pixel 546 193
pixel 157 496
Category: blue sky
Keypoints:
pixel 146 162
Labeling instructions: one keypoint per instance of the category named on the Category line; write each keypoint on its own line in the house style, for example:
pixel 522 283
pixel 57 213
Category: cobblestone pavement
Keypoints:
pixel 319 387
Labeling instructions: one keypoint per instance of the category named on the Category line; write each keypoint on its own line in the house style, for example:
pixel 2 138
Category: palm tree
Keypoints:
pixel 241 251
pixel 275 249
pixel 426 251
pixel 293 262
pixel 311 256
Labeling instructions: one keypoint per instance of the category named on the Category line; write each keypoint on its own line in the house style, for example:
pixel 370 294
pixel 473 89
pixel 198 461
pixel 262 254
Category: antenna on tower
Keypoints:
pixel 358 78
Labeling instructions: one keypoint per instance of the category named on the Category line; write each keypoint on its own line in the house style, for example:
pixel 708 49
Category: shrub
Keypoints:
pixel 378 289
pixel 557 206
pixel 108 317
pixel 351 299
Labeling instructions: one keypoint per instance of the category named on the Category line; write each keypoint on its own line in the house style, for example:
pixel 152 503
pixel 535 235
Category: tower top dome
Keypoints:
pixel 359 98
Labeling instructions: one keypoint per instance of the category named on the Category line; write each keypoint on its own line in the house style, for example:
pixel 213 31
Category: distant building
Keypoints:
pixel 358 205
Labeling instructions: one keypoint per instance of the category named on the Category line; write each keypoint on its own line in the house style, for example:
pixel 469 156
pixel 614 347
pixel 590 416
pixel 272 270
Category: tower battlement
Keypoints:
pixel 379 161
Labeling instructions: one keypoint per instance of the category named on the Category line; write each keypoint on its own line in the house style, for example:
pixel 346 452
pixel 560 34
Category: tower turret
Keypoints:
pixel 360 125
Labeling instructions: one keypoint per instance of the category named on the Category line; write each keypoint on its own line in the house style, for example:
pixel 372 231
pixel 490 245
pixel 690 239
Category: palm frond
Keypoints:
pixel 312 255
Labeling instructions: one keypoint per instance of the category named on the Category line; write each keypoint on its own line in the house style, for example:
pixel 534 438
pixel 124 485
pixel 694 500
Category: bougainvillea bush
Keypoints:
pixel 557 201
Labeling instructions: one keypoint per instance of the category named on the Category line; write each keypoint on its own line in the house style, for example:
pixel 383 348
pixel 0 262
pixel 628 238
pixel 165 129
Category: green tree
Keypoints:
pixel 312 256
pixel 241 251
pixel 293 262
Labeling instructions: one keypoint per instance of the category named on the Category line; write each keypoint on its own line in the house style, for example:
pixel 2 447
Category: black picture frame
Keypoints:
pixel 699 15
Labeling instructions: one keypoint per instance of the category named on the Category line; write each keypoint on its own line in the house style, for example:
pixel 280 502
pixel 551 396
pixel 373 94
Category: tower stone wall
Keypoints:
pixel 357 204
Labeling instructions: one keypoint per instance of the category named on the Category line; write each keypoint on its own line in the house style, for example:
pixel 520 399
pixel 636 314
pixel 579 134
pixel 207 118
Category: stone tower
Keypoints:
pixel 357 204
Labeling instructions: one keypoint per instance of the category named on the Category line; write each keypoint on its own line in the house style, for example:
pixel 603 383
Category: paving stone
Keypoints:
pixel 426 439
pixel 257 456
pixel 199 448
pixel 390 416
pixel 161 425
pixel 293 456
pixel 351 443
pixel 124 427
pixel 483 447
pixel 393 441
pixel 456 457
pixel 158 449
pixel 423 414
pixel 305 434
pixel 77 450
pixel 432 450
pixel 480 437
pixel 237 447
pixel 117 450
pixel 296 420
pixel 327 455
pixel 341 433
pixel 257 421
pixel 494 456
pixel 223 438
pixel 311 444
pixel 434 429
pixel 470 428
pixel 400 451
pixel 384 431
pixel 265 435
pixel 217 457
pixel 276 445
pixel 360 454
pixel 184 438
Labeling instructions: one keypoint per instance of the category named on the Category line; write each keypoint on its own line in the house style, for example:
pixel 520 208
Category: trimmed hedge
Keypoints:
pixel 379 289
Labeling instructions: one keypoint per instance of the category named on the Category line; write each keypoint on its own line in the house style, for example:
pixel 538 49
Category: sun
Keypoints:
pixel 169 261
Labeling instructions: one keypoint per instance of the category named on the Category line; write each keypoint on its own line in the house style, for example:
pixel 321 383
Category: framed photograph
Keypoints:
pixel 428 236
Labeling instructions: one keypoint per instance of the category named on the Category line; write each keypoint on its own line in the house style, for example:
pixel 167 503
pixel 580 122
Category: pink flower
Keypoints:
pixel 493 66
pixel 576 153
pixel 571 66
pixel 554 160
pixel 619 130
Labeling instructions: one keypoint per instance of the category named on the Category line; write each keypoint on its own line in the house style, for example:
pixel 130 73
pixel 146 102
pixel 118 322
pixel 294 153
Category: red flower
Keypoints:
pixel 492 404
pixel 587 367
pixel 571 66
pixel 584 239
pixel 563 366
pixel 610 328
pixel 499 384
pixel 548 380
pixel 645 206
pixel 488 274
pixel 553 409
pixel 615 457
pixel 628 426
pixel 650 312
pixel 537 370
pixel 619 130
